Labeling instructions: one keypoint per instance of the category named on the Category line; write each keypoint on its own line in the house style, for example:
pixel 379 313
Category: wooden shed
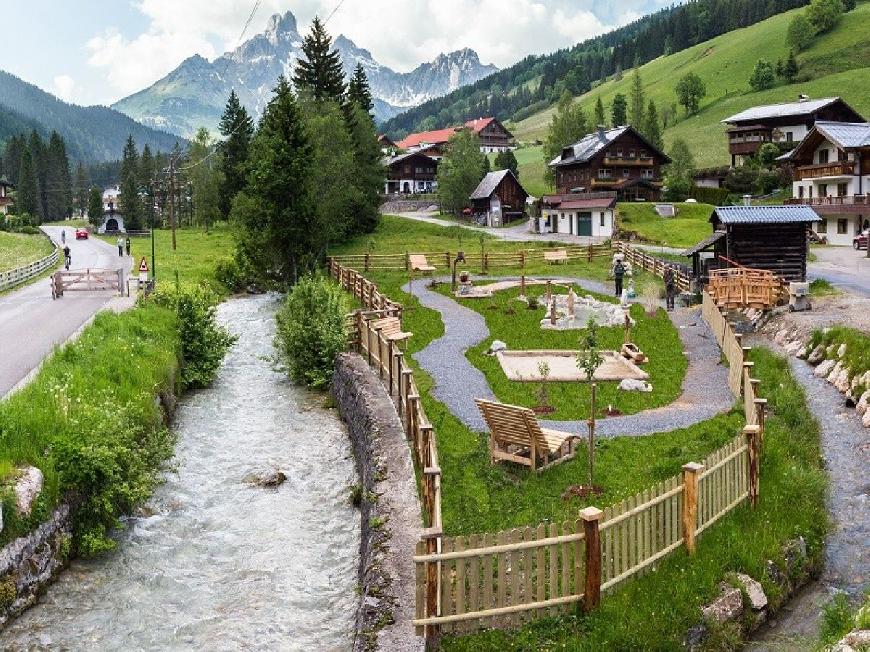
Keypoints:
pixel 500 197
pixel 772 238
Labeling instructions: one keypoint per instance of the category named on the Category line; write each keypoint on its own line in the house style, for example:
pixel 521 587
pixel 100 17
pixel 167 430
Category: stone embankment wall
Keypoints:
pixel 389 508
pixel 407 205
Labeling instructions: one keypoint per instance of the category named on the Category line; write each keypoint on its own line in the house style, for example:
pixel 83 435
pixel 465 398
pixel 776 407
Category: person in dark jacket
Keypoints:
pixel 670 287
pixel 618 274
pixel 127 245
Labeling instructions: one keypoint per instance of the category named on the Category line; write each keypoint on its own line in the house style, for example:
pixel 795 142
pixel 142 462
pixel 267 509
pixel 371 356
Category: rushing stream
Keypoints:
pixel 221 565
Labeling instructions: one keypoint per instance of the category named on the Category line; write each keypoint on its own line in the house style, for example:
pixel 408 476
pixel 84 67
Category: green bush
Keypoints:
pixel 311 330
pixel 203 342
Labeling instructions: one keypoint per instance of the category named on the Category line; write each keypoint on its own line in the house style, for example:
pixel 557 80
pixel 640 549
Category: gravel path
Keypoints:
pixel 704 394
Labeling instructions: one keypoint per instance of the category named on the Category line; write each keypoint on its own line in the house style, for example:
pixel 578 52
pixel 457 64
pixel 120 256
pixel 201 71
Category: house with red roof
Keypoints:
pixel 589 214
pixel 494 137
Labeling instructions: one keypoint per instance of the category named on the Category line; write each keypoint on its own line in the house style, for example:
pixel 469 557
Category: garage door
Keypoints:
pixel 584 224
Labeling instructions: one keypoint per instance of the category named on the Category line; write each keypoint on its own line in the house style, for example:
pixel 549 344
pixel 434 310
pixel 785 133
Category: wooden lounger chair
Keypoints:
pixel 419 263
pixel 391 329
pixel 556 256
pixel 515 435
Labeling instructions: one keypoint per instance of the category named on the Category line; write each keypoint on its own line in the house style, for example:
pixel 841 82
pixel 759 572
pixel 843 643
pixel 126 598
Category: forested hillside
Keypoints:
pixel 537 82
pixel 94 133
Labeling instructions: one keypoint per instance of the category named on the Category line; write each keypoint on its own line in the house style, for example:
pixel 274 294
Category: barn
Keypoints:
pixel 500 197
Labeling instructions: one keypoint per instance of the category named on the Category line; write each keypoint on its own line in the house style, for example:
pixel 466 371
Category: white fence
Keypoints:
pixel 19 275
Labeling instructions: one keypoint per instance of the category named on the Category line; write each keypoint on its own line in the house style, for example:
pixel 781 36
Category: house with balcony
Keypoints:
pixel 616 160
pixel 832 174
pixel 783 124
pixel 494 137
pixel 5 196
pixel 410 173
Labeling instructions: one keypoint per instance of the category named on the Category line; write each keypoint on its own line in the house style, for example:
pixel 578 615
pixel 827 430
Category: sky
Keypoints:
pixel 98 51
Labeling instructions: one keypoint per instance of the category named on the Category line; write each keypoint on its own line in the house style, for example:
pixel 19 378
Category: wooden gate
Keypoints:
pixel 87 280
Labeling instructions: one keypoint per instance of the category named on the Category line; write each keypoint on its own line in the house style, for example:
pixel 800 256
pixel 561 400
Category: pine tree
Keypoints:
pixel 237 128
pixel 146 173
pixel 790 68
pixel 82 189
pixel 358 90
pixel 205 179
pixel 368 171
pixel 567 126
pixel 319 73
pixel 27 195
pixel 485 166
pixel 652 129
pixel 507 160
pixel 275 212
pixel 618 110
pixel 36 146
pixel 460 171
pixel 95 206
pixel 130 206
pixel 599 113
pixel 12 157
pixel 636 101
pixel 58 184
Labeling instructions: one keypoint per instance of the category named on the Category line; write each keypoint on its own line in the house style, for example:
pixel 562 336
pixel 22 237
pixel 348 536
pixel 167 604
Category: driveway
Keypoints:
pixel 843 267
pixel 32 324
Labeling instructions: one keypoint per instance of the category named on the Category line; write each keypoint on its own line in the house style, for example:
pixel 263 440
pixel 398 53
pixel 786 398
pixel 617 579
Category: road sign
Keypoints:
pixel 143 266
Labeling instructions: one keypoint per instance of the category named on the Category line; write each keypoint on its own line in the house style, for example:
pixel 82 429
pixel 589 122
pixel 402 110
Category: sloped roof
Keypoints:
pixel 391 160
pixel 479 125
pixel 578 201
pixel 490 182
pixel 435 137
pixel 591 144
pixel 706 242
pixel 785 109
pixel 846 135
pixel 764 214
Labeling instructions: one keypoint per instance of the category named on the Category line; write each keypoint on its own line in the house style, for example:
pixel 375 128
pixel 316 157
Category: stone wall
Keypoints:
pixel 389 508
pixel 28 564
pixel 407 205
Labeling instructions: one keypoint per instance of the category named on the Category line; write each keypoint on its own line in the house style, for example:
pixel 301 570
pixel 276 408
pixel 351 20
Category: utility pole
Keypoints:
pixel 172 212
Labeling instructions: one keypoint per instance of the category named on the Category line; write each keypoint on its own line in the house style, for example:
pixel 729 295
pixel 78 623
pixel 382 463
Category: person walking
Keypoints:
pixel 63 236
pixel 670 287
pixel 120 246
pixel 618 273
pixel 127 245
pixel 67 259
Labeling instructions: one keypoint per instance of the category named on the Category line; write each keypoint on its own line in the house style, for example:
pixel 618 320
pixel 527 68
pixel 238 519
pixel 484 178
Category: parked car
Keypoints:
pixel 81 234
pixel 860 240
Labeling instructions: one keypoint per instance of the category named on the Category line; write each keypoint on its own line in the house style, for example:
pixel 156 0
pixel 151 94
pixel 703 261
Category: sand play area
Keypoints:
pixel 523 366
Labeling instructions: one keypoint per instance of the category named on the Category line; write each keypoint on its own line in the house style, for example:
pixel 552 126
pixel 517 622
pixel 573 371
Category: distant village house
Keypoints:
pixel 113 221
pixel 499 198
pixel 409 173
pixel 587 214
pixel 616 160
pixel 5 196
pixel 494 137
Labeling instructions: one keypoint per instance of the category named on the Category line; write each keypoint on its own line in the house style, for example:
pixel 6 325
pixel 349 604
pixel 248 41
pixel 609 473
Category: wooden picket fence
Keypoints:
pixel 657 266
pixel 506 579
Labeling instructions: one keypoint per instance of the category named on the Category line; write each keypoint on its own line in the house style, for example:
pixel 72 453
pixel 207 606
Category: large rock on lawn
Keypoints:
pixel 727 606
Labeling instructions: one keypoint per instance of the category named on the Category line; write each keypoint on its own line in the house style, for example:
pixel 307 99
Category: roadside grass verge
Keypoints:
pixel 19 249
pixel 822 288
pixel 511 321
pixel 654 611
pixel 89 422
pixel 690 225
pixel 73 223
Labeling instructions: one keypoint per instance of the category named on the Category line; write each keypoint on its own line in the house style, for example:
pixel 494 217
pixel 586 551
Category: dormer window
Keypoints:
pixel 823 156
pixel 631 154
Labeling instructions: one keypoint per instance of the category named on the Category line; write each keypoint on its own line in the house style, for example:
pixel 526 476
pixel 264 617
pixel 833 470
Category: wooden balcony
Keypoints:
pixel 835 169
pixel 834 205
pixel 625 161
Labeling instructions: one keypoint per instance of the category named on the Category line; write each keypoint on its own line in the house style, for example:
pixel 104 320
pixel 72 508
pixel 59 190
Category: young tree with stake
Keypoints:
pixel 588 360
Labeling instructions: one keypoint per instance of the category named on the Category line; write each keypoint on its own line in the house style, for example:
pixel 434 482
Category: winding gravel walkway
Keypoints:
pixel 704 394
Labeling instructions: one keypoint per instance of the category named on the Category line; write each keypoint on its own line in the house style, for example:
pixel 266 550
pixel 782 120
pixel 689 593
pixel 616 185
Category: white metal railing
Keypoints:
pixel 19 275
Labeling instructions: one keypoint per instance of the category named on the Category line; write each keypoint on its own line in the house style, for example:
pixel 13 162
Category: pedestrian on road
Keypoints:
pixel 67 260
pixel 120 246
pixel 63 236
pixel 670 287
pixel 127 245
pixel 618 273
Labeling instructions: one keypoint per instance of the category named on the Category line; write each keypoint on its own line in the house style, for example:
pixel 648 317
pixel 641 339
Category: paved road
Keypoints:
pixel 32 324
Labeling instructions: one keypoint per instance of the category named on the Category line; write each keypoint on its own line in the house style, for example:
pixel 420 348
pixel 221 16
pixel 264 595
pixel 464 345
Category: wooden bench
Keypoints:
pixel 419 263
pixel 515 435
pixel 391 329
pixel 556 256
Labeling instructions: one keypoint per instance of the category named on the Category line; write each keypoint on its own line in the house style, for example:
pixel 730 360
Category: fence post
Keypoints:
pixel 433 598
pixel 691 473
pixel 590 251
pixel 592 591
pixel 366 263
pixel 407 262
pixel 390 366
pixel 447 259
pixel 751 433
pixel 522 259
pixel 485 262
pixel 359 330
pixel 522 285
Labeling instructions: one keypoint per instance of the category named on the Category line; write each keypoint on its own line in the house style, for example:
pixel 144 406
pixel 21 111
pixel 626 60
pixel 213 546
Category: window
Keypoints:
pixel 822 227
pixel 631 153
pixel 823 190
pixel 842 189
pixel 789 136
pixel 619 153
pixel 626 173
pixel 604 173
pixel 842 226
pixel 648 173
pixel 800 192
pixel 810 188
pixel 643 154
pixel 602 218
pixel 823 156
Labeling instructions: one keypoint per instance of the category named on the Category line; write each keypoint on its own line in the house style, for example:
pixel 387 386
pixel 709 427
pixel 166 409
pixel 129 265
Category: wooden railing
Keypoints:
pixel 841 200
pixel 19 275
pixel 642 259
pixel 743 287
pixel 833 169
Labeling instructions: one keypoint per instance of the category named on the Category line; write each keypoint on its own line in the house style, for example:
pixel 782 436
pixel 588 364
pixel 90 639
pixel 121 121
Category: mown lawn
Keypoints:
pixel 690 225
pixel 19 249
pixel 510 321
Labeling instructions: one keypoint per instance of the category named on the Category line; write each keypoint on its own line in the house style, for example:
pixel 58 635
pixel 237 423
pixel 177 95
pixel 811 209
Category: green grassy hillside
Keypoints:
pixel 837 63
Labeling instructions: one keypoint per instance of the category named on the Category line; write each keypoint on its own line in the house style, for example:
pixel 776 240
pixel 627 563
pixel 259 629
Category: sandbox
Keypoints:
pixel 523 366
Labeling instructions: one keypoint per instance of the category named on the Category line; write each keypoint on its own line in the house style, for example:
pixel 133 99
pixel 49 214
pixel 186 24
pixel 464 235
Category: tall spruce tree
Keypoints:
pixel 618 111
pixel 58 183
pixel 278 234
pixel 319 73
pixel 95 206
pixel 12 157
pixel 567 126
pixel 82 189
pixel 368 170
pixel 237 128
pixel 358 90
pixel 27 196
pixel 507 160
pixel 146 174
pixel 599 113
pixel 36 146
pixel 652 128
pixel 636 104
pixel 205 178
pixel 130 205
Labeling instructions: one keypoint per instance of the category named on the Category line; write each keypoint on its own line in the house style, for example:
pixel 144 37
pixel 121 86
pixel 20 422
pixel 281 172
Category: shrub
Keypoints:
pixel 230 274
pixel 203 342
pixel 311 330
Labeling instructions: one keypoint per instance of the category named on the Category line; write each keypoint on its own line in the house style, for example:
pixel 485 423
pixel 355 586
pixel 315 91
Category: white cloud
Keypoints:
pixel 64 87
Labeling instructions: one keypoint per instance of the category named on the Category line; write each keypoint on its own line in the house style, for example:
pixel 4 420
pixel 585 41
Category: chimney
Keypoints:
pixel 747 200
pixel 602 130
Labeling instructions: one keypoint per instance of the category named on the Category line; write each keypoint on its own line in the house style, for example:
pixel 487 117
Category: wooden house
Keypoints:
pixel 500 198
pixel 430 143
pixel 784 124
pixel 5 195
pixel 413 172
pixel 772 238
pixel 832 174
pixel 388 147
pixel 617 160
pixel 494 136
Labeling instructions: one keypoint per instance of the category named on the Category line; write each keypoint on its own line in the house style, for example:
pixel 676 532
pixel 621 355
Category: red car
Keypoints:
pixel 81 234
pixel 860 240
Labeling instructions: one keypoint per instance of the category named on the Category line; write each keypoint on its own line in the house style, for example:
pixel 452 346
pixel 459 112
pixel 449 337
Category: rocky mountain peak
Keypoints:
pixel 279 24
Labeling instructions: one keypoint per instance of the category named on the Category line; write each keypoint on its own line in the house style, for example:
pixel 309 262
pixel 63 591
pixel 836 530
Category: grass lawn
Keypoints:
pixel 19 249
pixel 530 169
pixel 690 225
pixel 196 256
pixel 510 321
pixel 654 611
pixel 73 223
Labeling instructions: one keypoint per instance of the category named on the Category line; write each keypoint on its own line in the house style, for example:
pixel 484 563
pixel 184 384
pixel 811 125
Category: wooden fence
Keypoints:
pixel 742 287
pixel 508 578
pixel 13 277
pixel 682 275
